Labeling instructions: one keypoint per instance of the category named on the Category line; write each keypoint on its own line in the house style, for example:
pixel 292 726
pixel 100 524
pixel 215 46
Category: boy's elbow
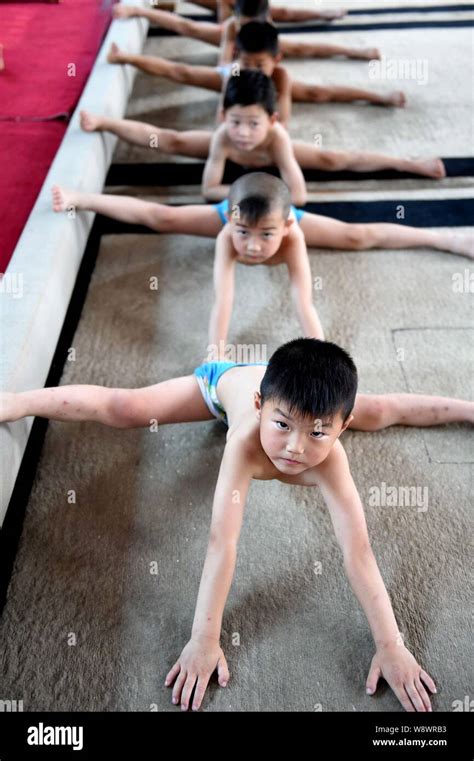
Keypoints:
pixel 208 194
pixel 221 543
pixel 300 199
pixel 357 554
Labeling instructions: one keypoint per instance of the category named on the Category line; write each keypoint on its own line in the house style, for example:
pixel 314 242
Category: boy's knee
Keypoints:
pixel 160 218
pixel 181 72
pixel 284 14
pixel 328 160
pixel 318 94
pixel 121 410
pixel 357 237
pixel 178 142
pixel 379 412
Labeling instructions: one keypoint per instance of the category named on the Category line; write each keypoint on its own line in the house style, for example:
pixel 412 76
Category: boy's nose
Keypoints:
pixel 295 445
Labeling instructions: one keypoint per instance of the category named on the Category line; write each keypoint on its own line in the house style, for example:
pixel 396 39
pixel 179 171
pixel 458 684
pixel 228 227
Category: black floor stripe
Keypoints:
pixel 413 9
pixel 449 212
pixel 294 29
pixel 160 174
pixel 10 532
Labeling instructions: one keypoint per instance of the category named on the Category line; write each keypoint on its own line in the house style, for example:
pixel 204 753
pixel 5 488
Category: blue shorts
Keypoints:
pixel 222 209
pixel 208 375
pixel 225 70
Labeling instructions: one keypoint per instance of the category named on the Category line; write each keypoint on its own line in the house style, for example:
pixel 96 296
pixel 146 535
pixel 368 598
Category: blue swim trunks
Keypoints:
pixel 225 70
pixel 208 375
pixel 222 209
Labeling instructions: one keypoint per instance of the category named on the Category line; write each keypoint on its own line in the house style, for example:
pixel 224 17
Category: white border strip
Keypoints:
pixel 40 278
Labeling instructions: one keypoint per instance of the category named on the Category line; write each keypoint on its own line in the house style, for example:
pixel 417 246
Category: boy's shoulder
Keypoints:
pixel 334 467
pixel 225 234
pixel 293 241
pixel 281 76
pixel 280 134
pixel 220 140
pixel 229 26
pixel 243 440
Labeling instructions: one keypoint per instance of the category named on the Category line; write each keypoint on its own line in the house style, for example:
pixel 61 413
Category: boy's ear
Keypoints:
pixel 275 117
pixel 278 57
pixel 257 400
pixel 348 421
pixel 221 115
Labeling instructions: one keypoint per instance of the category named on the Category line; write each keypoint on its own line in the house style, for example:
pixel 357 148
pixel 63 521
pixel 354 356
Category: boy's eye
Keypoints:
pixel 254 124
pixel 267 235
pixel 281 423
pixel 317 434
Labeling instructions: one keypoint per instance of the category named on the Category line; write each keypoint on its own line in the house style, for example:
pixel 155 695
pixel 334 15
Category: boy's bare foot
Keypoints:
pixel 457 243
pixel 470 412
pixel 63 199
pixel 123 11
pixel 2 59
pixel 431 168
pixel 115 54
pixel 335 14
pixel 89 122
pixel 397 99
pixel 369 54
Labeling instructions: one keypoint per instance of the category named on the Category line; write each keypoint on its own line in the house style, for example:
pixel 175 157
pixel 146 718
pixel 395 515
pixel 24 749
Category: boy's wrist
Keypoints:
pixel 389 643
pixel 204 637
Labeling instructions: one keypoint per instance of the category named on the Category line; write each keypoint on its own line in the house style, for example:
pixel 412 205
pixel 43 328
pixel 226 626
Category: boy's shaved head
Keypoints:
pixel 258 37
pixel 314 378
pixel 255 195
pixel 251 8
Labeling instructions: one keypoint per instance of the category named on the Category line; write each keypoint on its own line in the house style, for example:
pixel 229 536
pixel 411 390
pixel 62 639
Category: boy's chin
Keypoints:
pixel 288 468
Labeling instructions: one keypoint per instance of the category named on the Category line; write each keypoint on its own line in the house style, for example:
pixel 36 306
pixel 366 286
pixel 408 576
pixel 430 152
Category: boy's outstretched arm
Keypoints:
pixel 392 659
pixel 224 270
pixel 203 653
pixel 224 9
pixel 284 88
pixel 226 51
pixel 212 187
pixel 301 281
pixel 289 168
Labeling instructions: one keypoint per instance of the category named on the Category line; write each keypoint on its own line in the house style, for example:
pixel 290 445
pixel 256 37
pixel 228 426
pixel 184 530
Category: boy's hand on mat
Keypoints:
pixel 194 668
pixel 405 676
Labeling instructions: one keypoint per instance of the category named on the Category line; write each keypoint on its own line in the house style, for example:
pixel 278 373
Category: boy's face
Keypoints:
pixel 248 126
pixel 292 442
pixel 259 241
pixel 263 62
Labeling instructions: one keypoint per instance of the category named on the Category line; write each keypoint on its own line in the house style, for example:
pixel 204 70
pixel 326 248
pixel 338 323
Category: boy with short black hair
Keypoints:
pixel 255 56
pixel 258 226
pixel 223 34
pixel 251 136
pixel 284 422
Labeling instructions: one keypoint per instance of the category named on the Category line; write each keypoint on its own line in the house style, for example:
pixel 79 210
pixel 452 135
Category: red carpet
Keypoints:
pixel 49 52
